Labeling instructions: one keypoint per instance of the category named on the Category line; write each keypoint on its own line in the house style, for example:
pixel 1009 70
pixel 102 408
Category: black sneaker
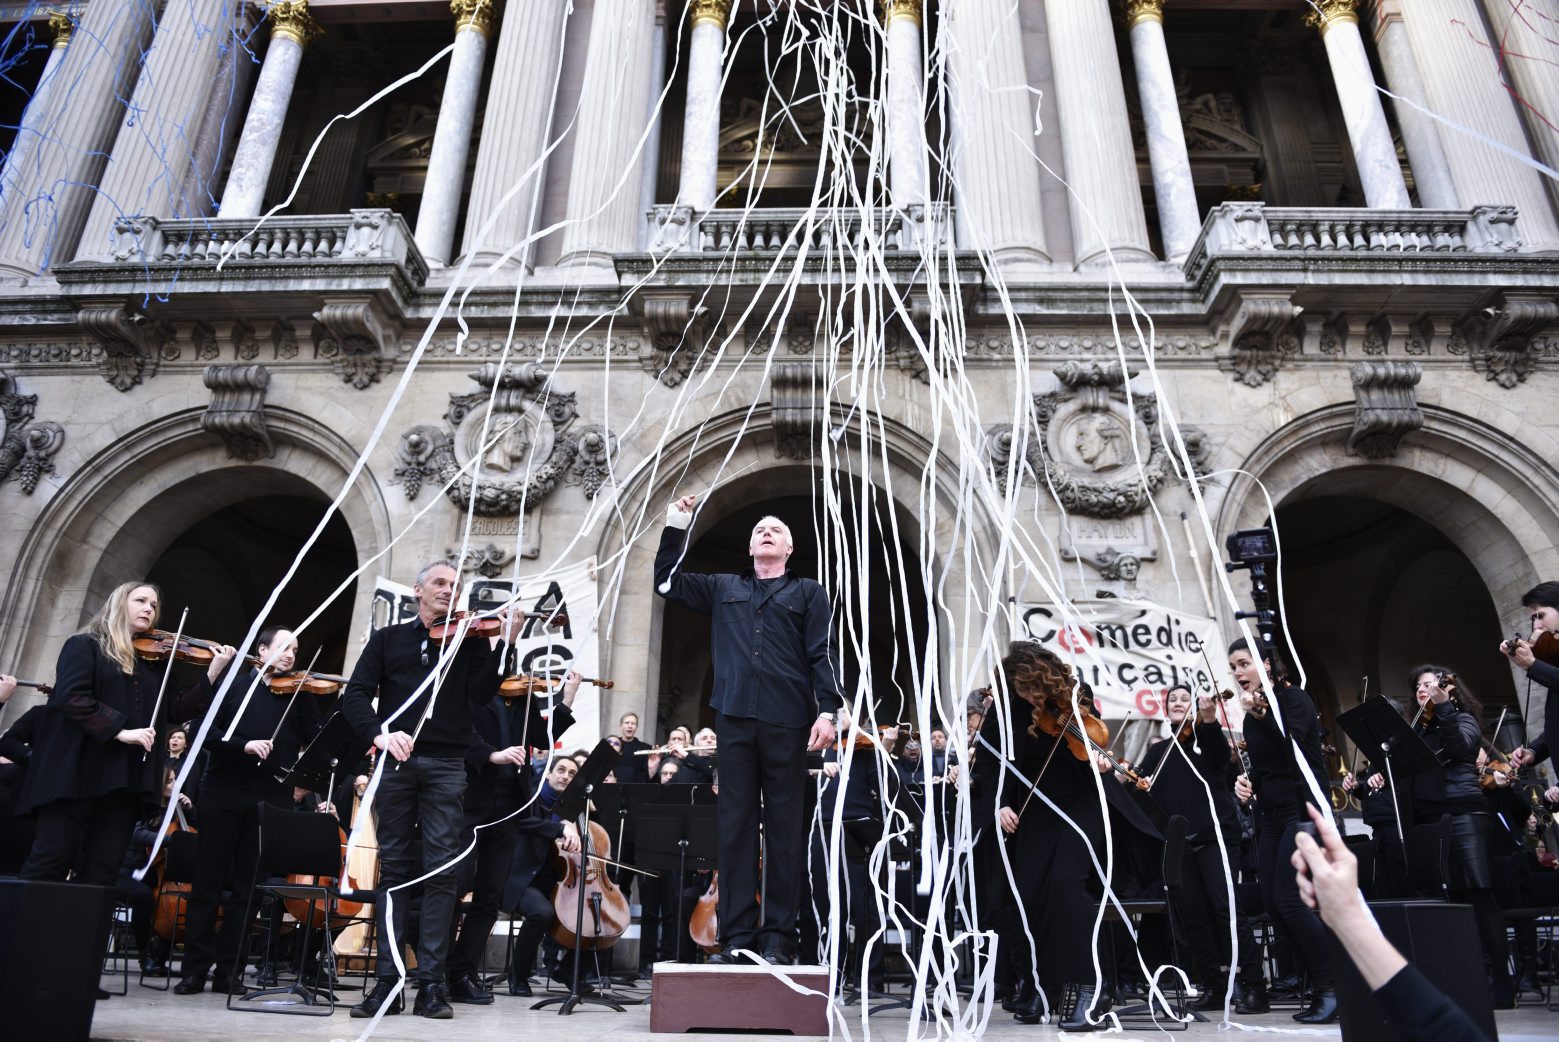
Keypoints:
pixel 433 1002
pixel 376 998
pixel 467 988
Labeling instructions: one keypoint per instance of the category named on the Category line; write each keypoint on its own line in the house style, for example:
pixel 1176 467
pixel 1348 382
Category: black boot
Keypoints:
pixel 378 997
pixel 468 988
pixel 433 1002
pixel 1209 996
pixel 1077 1020
pixel 1022 998
pixel 1322 1008
pixel 1251 998
pixel 1033 1012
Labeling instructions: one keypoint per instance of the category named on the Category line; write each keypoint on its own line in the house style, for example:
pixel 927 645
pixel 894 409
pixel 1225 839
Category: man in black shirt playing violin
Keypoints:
pixel 423 720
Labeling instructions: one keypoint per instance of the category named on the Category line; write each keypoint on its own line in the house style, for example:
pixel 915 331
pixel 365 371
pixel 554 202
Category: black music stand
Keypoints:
pixel 574 802
pixel 323 755
pixel 677 836
pixel 1377 728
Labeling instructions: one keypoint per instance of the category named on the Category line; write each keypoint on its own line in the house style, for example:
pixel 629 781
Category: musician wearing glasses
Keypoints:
pixel 400 675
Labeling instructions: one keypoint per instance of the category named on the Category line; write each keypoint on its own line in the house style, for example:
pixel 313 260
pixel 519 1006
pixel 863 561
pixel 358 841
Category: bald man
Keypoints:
pixel 776 695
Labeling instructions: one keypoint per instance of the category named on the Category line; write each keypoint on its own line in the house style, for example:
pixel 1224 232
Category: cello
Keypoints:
pixel 704 926
pixel 606 913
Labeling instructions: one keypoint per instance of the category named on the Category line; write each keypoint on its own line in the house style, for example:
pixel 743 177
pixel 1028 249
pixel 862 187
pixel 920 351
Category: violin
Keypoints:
pixel 157 646
pixel 487 625
pixel 301 679
pixel 522 684
pixel 606 909
pixel 1487 772
pixel 41 688
pixel 1545 648
pixel 704 927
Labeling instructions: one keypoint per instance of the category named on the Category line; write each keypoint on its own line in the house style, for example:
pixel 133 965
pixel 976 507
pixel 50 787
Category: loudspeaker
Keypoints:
pixel 52 939
pixel 1441 940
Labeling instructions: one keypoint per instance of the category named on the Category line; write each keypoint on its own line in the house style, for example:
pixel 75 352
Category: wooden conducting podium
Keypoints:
pixel 685 997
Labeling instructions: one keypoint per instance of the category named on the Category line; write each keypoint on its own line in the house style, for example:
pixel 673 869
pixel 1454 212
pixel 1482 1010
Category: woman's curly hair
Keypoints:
pixel 1036 675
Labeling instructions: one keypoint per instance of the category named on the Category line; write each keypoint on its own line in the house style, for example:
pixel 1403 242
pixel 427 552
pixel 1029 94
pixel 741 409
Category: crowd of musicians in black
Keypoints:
pixel 88 774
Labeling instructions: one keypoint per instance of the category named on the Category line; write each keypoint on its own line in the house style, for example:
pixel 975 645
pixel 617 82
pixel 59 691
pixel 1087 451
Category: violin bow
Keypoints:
pixel 1167 752
pixel 296 691
pixel 166 673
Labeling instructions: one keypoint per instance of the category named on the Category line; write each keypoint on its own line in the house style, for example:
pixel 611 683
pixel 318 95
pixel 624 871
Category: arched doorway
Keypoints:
pixel 889 623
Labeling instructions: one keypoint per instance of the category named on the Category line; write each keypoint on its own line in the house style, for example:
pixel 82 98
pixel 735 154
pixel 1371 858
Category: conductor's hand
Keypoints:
pixel 396 743
pixel 568 842
pixel 822 735
pixel 686 504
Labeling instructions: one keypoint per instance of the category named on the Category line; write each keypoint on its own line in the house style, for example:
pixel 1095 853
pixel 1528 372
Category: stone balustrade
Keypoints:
pixel 1246 229
pixel 681 229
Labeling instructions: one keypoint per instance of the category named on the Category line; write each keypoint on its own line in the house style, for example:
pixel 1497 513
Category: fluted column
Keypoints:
pixel 155 151
pixel 292 29
pixel 1420 133
pixel 1179 220
pixel 996 185
pixel 701 118
pixel 1374 153
pixel 519 106
pixel 446 176
pixel 46 187
pixel 603 192
pixel 906 113
pixel 1527 33
pixel 1465 85
pixel 649 173
pixel 1101 165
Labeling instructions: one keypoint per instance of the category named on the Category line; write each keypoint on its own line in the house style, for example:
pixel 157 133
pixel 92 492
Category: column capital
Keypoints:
pixel 62 26
pixel 1328 13
pixel 291 19
pixel 715 12
pixel 892 9
pixel 476 15
pixel 1144 11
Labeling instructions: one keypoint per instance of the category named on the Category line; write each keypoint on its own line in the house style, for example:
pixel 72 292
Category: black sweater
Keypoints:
pixel 1548 676
pixel 394 663
pixel 1276 776
pixel 1179 789
pixel 229 766
pixel 1418 1010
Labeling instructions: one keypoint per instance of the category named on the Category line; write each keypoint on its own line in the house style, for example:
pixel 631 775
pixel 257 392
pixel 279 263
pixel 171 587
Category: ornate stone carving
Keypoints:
pixel 1144 11
pixel 237 410
pixel 1327 13
pixel 291 18
pixel 130 343
pixel 246 345
pixel 715 12
pixel 1385 407
pixel 1197 446
pixel 794 410
pixel 61 25
pixel 675 229
pixel 892 9
pixel 506 448
pixel 26 448
pixel 1263 334
pixel 476 15
pixel 676 336
pixel 358 338
pixel 1503 338
pixel 284 341
pixel 1001 443
pixel 488 561
pixel 1114 565
pixel 592 466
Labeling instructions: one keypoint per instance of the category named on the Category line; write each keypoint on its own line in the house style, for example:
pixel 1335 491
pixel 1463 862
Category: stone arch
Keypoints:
pixel 167 466
pixel 693 462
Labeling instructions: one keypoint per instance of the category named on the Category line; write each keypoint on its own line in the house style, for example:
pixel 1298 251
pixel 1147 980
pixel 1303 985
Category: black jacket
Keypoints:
pixel 1276 776
pixel 394 663
pixel 228 766
pixel 1548 676
pixel 493 790
pixel 75 754
pixel 1453 737
pixel 770 640
pixel 633 768
pixel 1178 787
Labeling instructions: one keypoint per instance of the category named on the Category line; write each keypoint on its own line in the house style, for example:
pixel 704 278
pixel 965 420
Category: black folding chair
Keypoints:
pixel 293 843
pixel 178 870
pixel 1137 909
pixel 1428 868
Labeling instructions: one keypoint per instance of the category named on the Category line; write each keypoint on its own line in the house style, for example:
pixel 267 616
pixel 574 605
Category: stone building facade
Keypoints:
pixel 639 248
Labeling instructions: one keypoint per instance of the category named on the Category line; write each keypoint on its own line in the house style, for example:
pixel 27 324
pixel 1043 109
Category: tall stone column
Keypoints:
pixel 155 151
pixel 61 26
pixel 1101 166
pixel 1420 133
pixel 292 29
pixel 997 185
pixel 906 110
pixel 1179 220
pixel 519 106
pixel 46 187
pixel 1374 153
pixel 1464 85
pixel 701 117
pixel 603 192
pixel 1526 32
pixel 452 139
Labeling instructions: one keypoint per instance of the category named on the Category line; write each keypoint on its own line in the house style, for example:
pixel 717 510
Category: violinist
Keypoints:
pixel 498 783
pixel 1450 721
pixel 1542 602
pixel 1187 770
pixel 1057 889
pixel 533 874
pixel 1280 758
pixel 240 775
pixel 411 697
pixel 97 762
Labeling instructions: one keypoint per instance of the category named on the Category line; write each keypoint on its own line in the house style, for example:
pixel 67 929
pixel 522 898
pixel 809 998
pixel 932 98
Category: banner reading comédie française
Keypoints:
pixel 572 592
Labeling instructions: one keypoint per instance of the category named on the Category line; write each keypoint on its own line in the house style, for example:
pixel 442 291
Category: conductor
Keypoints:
pixel 776 693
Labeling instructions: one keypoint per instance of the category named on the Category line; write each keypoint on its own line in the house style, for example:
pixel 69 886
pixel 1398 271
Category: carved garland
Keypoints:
pixel 26 449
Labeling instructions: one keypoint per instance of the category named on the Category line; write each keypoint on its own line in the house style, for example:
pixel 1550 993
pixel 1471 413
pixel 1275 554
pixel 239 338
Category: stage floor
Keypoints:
pixel 154 1015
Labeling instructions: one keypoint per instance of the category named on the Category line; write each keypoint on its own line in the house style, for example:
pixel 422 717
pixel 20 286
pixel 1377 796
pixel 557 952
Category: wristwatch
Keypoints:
pixel 832 718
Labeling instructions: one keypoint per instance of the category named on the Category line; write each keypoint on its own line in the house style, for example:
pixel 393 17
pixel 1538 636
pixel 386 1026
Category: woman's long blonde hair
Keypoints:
pixel 111 625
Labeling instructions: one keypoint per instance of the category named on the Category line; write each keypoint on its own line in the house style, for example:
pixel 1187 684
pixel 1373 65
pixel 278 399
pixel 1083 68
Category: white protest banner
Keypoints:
pixel 571 591
pixel 1132 652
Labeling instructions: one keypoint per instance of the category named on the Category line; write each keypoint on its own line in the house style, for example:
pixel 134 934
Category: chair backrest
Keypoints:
pixel 298 843
pixel 1426 859
pixel 179 866
pixel 1174 851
